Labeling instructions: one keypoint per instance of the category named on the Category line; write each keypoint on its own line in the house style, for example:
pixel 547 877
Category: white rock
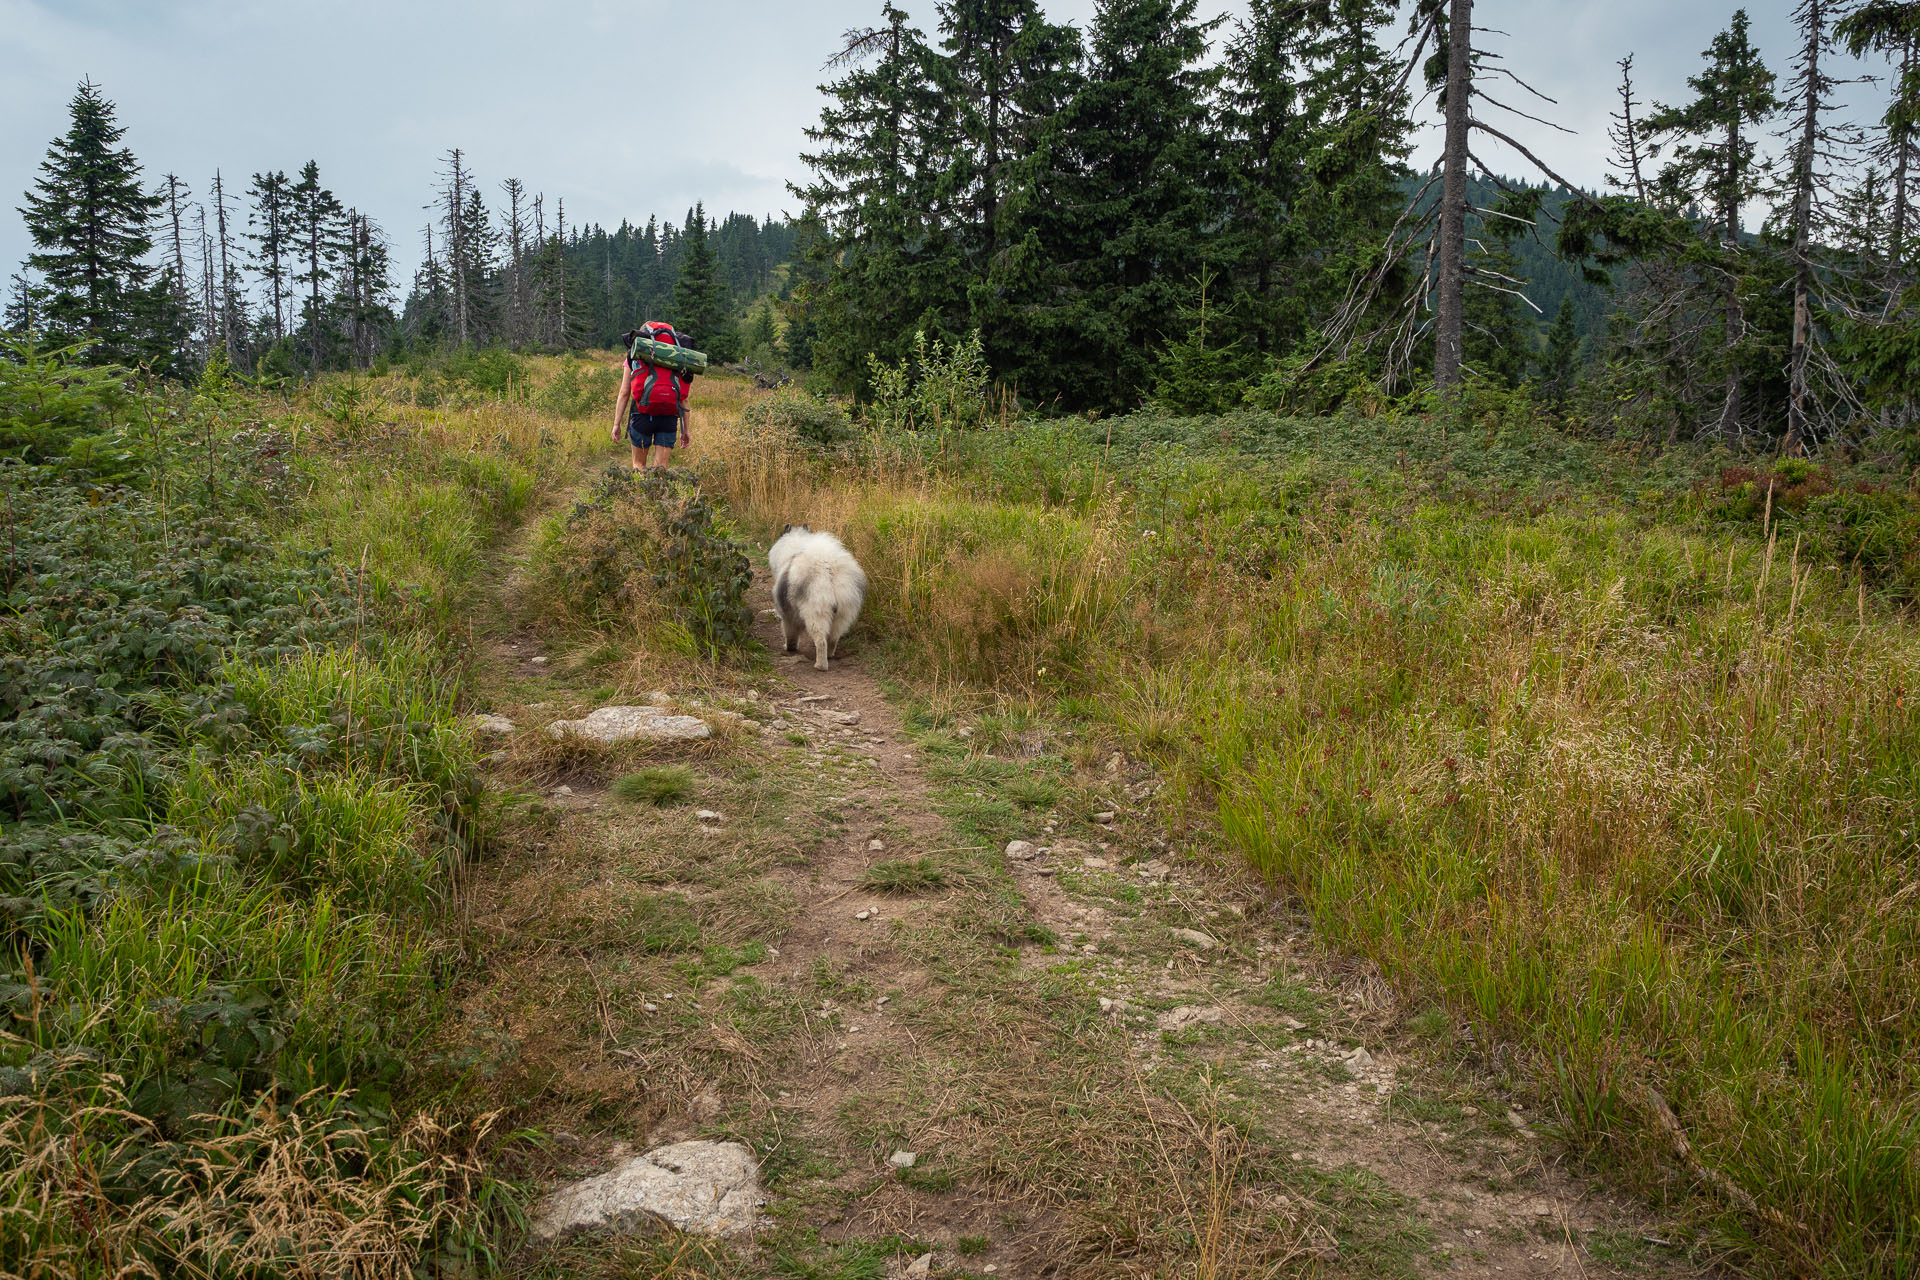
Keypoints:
pixel 1188 1016
pixel 708 815
pixel 903 1159
pixel 863 915
pixel 1360 1059
pixel 563 790
pixel 1194 938
pixel 1097 864
pixel 619 724
pixel 493 724
pixel 1104 817
pixel 876 846
pixel 540 661
pixel 704 1188
pixel 1021 850
pixel 650 1007
pixel 920 1266
pixel 1154 870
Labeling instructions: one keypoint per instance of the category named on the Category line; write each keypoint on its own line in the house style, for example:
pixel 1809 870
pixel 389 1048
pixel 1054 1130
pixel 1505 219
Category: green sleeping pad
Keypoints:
pixel 668 356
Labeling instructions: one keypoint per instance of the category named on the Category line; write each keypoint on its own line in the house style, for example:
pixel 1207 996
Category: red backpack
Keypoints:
pixel 656 391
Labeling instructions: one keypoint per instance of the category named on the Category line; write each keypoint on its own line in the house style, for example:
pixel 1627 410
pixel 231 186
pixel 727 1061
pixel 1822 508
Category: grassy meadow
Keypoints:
pixel 1609 754
pixel 241 790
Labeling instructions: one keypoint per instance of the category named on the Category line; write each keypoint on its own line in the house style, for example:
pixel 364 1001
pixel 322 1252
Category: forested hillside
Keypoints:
pixel 280 276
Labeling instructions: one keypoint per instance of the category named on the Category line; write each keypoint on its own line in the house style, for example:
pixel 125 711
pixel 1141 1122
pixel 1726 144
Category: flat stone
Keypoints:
pixel 1096 864
pixel 876 846
pixel 1194 938
pixel 1021 850
pixel 1188 1016
pixel 540 661
pixel 920 1266
pixel 703 1188
pixel 621 724
pixel 903 1159
pixel 708 815
pixel 1360 1059
pixel 1104 817
pixel 1155 870
pixel 493 724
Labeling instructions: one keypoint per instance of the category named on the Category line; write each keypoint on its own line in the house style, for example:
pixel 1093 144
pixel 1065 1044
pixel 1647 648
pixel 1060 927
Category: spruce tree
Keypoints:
pixel 1716 161
pixel 1559 364
pixel 1892 28
pixel 700 297
pixel 90 219
pixel 1136 199
pixel 314 218
pixel 272 237
pixel 887 220
pixel 1266 139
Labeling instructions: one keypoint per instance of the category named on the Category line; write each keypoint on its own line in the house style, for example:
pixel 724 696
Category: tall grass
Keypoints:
pixel 1640 796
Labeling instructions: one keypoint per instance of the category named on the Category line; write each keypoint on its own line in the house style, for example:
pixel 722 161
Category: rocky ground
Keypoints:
pixel 944 993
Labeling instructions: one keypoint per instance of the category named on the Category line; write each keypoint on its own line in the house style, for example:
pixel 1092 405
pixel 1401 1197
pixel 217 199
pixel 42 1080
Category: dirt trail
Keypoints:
pixel 1109 1054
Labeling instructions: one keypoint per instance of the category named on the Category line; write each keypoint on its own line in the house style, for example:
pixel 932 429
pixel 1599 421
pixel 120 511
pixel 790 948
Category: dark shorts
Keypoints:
pixel 651 429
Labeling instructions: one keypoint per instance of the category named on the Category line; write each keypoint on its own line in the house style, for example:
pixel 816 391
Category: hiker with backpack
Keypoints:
pixel 653 402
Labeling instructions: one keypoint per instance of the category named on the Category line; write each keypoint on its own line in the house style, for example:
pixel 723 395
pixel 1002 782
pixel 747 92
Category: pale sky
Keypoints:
pixel 625 109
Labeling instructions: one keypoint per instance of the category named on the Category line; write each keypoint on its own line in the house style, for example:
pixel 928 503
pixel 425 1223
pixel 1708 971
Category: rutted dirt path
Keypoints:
pixel 1099 1052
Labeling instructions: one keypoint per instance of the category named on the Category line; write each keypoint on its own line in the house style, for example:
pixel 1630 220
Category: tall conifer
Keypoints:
pixel 1716 160
pixel 90 219
pixel 700 297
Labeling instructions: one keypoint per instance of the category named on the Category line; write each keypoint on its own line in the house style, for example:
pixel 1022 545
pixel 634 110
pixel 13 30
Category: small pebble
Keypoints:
pixel 540 661
pixel 876 846
pixel 863 915
pixel 1104 817
pixel 903 1159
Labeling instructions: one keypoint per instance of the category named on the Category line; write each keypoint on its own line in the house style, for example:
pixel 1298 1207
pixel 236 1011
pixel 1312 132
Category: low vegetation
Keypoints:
pixel 1611 751
pixel 241 791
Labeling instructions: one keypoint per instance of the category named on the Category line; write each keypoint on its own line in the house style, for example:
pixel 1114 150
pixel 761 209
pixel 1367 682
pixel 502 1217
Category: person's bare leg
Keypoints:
pixel 639 458
pixel 662 456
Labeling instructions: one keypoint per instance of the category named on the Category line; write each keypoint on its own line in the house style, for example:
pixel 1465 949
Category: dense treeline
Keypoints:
pixel 282 277
pixel 1170 208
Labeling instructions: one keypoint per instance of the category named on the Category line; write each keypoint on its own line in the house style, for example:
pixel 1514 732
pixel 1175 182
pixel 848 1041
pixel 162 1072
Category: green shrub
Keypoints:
pixel 575 394
pixel 793 414
pixel 660 785
pixel 646 550
pixel 51 405
pixel 940 387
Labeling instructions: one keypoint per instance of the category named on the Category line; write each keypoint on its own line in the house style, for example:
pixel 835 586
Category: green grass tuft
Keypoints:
pixel 661 785
pixel 914 875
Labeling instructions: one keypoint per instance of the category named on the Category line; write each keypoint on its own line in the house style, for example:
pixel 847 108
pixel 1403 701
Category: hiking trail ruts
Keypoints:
pixel 1023 1026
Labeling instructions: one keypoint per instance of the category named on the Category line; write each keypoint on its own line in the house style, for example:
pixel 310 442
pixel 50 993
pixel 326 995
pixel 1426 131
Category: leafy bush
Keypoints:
pixel 940 387
pixel 644 549
pixel 793 414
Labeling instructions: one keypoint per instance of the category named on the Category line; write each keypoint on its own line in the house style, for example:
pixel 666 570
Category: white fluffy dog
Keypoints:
pixel 818 587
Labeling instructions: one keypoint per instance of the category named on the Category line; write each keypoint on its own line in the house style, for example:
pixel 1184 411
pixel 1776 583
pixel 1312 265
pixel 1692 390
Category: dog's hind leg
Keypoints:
pixel 821 631
pixel 789 616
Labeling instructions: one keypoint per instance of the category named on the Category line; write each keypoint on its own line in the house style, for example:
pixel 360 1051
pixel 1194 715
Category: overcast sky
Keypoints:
pixel 626 109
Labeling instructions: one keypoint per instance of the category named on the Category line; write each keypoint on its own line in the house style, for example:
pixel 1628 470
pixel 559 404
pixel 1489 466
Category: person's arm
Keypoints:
pixel 686 411
pixel 621 404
